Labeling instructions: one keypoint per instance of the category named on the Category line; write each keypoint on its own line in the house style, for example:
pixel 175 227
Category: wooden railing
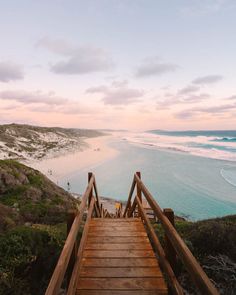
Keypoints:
pixel 69 262
pixel 175 244
pixel 69 257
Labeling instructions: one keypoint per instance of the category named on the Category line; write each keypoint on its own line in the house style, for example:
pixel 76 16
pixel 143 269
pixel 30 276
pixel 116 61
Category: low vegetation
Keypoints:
pixel 32 142
pixel 32 228
pixel 33 231
pixel 213 243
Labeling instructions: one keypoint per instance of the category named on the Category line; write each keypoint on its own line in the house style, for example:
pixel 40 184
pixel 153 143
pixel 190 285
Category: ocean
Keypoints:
pixel 192 172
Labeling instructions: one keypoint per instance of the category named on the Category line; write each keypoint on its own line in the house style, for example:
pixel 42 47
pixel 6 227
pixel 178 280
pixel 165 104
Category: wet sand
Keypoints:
pixel 98 151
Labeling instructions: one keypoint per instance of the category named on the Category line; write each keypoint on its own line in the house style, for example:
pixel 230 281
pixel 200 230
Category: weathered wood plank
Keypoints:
pixel 117 220
pixel 117 229
pixel 119 224
pixel 121 292
pixel 121 283
pixel 125 246
pixel 118 253
pixel 120 272
pixel 120 227
pixel 119 262
pixel 117 234
pixel 115 240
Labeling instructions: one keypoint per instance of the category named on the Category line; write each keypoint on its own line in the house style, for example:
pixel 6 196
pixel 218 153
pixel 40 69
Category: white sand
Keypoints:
pixel 58 167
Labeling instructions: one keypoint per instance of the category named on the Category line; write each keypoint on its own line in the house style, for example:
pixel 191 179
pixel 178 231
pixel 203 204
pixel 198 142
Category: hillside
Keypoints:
pixel 32 228
pixel 31 142
pixel 35 197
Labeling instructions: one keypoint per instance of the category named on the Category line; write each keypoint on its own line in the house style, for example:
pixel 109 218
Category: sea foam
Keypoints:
pixel 229 175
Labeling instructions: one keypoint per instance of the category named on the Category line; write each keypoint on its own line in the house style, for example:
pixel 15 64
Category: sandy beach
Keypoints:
pixel 56 168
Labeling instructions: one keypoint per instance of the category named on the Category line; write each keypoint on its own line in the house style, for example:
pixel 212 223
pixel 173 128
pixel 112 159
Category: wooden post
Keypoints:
pixel 101 211
pixel 121 209
pixel 139 192
pixel 169 249
pixel 70 219
pixel 90 174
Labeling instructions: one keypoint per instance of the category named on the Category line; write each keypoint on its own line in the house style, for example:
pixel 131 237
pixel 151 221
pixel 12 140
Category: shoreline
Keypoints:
pixel 57 168
pixel 70 169
pixel 109 204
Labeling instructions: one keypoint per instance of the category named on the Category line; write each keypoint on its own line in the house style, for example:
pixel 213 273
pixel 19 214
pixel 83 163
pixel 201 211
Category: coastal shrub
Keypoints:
pixel 207 237
pixel 35 180
pixel 27 258
pixel 212 237
pixel 10 163
pixel 30 193
pixel 13 195
pixel 42 212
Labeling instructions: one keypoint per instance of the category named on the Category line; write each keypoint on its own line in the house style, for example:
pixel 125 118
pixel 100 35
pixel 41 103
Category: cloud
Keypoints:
pixel 193 98
pixel 186 114
pixel 69 108
pixel 57 46
pixel 189 89
pixel 196 7
pixel 210 79
pixel 77 60
pixel 10 71
pixel 119 93
pixel 233 97
pixel 154 67
pixel 175 99
pixel 37 101
pixel 28 97
pixel 212 110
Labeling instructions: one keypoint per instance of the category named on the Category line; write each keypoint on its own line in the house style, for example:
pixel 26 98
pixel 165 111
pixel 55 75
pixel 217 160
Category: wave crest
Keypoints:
pixel 229 175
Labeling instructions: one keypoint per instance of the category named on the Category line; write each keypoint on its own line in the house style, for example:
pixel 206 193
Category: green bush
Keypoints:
pixel 28 257
pixel 13 195
pixel 35 180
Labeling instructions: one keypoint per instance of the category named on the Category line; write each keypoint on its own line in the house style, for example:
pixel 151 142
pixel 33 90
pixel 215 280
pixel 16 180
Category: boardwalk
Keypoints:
pixel 118 259
pixel 121 254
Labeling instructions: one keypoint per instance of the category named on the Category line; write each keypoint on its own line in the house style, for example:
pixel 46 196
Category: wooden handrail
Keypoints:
pixel 132 208
pixel 63 261
pixel 196 272
pixel 129 197
pixel 91 201
pixel 76 270
pixel 97 197
pixel 174 284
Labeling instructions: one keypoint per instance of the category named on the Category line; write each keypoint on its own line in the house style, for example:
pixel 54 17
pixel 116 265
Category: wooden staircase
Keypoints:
pixel 118 259
pixel 121 253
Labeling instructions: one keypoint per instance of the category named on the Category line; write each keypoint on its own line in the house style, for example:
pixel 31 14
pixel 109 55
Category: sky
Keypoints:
pixel 119 64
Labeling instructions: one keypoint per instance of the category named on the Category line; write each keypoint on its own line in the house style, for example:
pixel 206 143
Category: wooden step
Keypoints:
pixel 118 259
pixel 119 262
pixel 119 246
pixel 121 292
pixel 117 239
pixel 120 272
pixel 121 283
pixel 118 253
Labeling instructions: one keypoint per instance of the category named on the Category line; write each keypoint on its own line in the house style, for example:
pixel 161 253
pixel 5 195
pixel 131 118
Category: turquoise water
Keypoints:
pixel 221 143
pixel 195 187
pixel 224 134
